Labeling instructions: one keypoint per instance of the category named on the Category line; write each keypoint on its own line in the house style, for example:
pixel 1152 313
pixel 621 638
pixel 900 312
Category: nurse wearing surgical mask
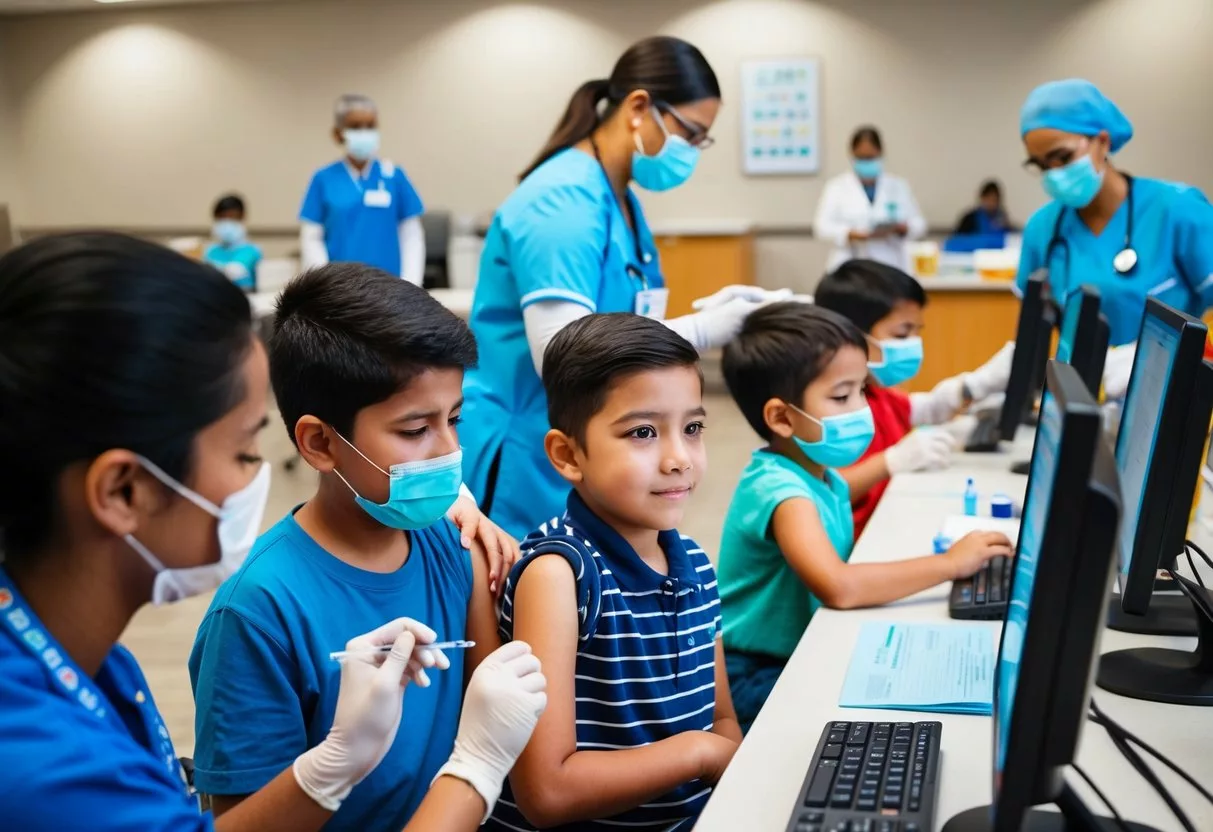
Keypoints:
pixel 866 212
pixel 362 208
pixel 1131 237
pixel 133 396
pixel 571 241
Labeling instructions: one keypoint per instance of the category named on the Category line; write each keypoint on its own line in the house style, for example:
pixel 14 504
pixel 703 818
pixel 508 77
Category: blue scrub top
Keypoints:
pixel 361 215
pixel 1173 237
pixel 80 752
pixel 560 236
pixel 239 263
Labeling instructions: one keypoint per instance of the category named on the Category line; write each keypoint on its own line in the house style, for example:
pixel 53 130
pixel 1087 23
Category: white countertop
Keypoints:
pixel 963 283
pixel 760 787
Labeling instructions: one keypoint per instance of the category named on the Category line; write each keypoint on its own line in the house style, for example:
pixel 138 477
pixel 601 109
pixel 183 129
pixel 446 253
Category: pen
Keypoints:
pixel 460 644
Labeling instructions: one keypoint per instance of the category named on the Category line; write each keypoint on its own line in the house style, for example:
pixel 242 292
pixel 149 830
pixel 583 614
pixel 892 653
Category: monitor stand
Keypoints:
pixel 1155 674
pixel 1073 817
pixel 1169 615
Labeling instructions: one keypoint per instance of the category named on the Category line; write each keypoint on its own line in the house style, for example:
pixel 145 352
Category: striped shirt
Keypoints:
pixel 645 666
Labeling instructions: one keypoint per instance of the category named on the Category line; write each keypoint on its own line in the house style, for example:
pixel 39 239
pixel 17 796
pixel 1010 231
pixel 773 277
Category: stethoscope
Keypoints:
pixel 642 256
pixel 1125 260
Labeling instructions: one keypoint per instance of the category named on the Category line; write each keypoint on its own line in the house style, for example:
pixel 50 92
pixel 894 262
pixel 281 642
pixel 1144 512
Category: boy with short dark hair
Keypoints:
pixel 367 371
pixel 231 252
pixel 798 373
pixel 887 305
pixel 619 607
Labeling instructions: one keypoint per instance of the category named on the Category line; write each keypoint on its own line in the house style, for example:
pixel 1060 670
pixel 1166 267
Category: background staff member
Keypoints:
pixel 866 212
pixel 158 495
pixel 362 208
pixel 989 217
pixel 1129 236
pixel 572 240
pixel 232 253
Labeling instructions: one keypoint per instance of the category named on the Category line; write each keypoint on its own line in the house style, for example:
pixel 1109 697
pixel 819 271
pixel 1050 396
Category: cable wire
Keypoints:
pixel 1120 822
pixel 1102 719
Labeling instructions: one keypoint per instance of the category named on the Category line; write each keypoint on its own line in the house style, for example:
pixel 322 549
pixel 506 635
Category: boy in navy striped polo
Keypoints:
pixel 619 607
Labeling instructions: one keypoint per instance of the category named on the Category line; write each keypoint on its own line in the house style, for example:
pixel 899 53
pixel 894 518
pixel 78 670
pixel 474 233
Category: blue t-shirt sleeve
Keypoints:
pixel 313 208
pixel 248 721
pixel 1194 242
pixel 557 245
pixel 408 201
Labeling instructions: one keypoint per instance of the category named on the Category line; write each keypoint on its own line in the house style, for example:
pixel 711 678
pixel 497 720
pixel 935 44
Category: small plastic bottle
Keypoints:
pixel 970 498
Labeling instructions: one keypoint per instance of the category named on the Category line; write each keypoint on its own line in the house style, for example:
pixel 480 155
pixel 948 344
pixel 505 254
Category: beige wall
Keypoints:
pixel 8 142
pixel 141 117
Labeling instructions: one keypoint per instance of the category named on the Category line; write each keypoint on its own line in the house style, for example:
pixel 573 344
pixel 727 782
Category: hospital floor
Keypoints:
pixel 161 637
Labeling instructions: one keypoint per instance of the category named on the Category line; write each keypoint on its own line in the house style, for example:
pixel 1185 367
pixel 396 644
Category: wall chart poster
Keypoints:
pixel 781 123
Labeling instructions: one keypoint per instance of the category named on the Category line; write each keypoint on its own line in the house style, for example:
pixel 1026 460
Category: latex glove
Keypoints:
pixel 939 405
pixel 991 377
pixel 921 450
pixel 735 291
pixel 715 326
pixel 501 550
pixel 503 701
pixel 1116 370
pixel 369 704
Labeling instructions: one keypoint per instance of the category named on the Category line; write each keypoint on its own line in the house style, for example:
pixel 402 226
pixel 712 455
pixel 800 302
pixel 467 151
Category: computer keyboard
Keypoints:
pixel 871 777
pixel 985 435
pixel 983 596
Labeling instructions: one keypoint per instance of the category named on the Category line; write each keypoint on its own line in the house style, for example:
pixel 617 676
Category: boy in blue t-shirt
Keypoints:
pixel 620 608
pixel 232 253
pixel 798 372
pixel 367 371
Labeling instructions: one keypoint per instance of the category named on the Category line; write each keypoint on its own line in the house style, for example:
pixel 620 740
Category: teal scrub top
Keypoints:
pixel 764 603
pixel 560 236
pixel 1172 235
pixel 239 263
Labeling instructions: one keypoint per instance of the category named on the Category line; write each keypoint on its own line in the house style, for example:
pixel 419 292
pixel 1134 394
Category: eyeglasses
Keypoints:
pixel 697 134
pixel 1058 157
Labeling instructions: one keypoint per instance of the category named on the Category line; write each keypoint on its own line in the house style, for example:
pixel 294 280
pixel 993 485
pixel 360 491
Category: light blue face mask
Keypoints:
pixel 844 437
pixel 902 359
pixel 229 232
pixel 1074 185
pixel 670 167
pixel 420 493
pixel 361 144
pixel 868 169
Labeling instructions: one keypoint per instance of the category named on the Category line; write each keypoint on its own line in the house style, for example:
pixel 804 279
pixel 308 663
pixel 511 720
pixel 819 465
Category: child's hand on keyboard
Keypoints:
pixel 968 554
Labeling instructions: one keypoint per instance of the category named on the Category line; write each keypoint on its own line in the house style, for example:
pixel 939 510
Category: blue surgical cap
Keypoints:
pixel 1075 106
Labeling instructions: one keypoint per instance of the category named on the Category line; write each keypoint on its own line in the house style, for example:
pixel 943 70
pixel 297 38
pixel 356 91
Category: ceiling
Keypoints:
pixel 9 7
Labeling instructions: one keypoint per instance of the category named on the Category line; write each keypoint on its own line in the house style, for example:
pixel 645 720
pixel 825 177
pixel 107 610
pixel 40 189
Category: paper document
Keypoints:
pixel 938 668
pixel 956 526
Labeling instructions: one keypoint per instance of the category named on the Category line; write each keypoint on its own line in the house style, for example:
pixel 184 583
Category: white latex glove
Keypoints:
pixel 991 377
pixel 939 405
pixel 715 326
pixel 369 704
pixel 503 701
pixel 735 291
pixel 921 450
pixel 1116 370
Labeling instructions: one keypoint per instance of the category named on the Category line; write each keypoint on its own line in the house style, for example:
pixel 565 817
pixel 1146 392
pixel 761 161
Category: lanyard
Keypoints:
pixel 71 682
pixel 641 257
pixel 361 182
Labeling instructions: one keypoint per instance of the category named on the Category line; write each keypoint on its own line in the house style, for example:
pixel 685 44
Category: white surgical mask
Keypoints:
pixel 361 144
pixel 239 521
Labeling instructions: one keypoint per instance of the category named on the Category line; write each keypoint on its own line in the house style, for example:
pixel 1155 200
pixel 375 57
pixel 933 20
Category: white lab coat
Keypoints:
pixel 844 207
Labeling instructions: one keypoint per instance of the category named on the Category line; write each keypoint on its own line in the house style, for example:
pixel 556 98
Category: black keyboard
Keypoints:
pixel 871 777
pixel 983 596
pixel 985 435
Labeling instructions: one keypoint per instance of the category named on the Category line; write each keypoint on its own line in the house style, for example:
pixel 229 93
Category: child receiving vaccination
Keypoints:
pixel 887 304
pixel 797 372
pixel 367 371
pixel 621 609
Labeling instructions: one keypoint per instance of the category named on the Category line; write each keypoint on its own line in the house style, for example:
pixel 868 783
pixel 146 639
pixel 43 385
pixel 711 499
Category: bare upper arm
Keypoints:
pixel 220 803
pixel 802 539
pixel 482 613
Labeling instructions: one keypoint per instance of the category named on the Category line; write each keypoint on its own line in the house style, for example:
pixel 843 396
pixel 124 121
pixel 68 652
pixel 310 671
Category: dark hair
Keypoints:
pixel 593 353
pixel 866 133
pixel 865 291
pixel 107 342
pixel 347 336
pixel 991 187
pixel 780 350
pixel 228 202
pixel 670 70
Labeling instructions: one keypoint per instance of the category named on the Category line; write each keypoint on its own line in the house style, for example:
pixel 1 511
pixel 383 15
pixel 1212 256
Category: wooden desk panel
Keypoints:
pixel 962 330
pixel 696 266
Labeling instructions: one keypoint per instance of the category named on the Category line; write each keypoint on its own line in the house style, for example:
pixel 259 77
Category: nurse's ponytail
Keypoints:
pixel 668 69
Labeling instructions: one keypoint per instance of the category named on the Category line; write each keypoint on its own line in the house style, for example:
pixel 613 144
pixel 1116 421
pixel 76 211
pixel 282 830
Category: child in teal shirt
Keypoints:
pixel 798 374
pixel 232 253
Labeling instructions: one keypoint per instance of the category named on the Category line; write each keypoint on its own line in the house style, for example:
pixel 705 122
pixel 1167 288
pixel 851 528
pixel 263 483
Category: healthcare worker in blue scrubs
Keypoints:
pixel 1131 237
pixel 571 241
pixel 362 208
pixel 133 394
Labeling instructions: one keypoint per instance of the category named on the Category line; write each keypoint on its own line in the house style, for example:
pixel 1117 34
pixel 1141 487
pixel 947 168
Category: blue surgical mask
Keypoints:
pixel 902 359
pixel 229 232
pixel 361 144
pixel 868 168
pixel 672 165
pixel 844 437
pixel 1074 185
pixel 419 493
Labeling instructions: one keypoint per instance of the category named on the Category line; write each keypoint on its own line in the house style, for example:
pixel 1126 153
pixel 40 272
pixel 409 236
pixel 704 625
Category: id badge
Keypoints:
pixel 651 303
pixel 379 198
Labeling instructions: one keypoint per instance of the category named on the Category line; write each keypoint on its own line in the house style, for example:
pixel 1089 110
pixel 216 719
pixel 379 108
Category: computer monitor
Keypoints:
pixel 1032 337
pixel 1064 566
pixel 1083 339
pixel 1158 453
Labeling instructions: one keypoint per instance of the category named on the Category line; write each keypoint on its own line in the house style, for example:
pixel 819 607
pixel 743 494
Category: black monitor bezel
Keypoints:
pixel 1026 360
pixel 1086 353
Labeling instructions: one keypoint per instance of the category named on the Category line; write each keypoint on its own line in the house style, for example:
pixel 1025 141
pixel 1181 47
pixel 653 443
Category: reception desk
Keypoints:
pixel 701 256
pixel 967 320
